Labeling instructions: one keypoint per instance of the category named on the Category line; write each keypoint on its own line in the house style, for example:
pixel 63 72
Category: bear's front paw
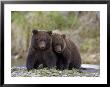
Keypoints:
pixel 29 68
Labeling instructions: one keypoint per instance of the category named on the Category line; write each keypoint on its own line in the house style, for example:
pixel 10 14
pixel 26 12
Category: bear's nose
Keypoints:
pixel 58 49
pixel 42 45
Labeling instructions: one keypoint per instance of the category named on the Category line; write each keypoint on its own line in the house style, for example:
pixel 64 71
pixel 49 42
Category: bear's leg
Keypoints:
pixel 66 64
pixel 30 62
pixel 72 65
pixel 77 66
pixel 59 64
pixel 63 64
pixel 36 64
pixel 50 61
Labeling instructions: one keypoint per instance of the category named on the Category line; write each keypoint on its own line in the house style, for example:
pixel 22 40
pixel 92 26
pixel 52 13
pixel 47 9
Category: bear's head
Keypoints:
pixel 41 40
pixel 58 42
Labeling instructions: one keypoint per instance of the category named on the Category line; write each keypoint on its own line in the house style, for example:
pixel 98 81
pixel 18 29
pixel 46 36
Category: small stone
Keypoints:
pixel 60 71
pixel 65 75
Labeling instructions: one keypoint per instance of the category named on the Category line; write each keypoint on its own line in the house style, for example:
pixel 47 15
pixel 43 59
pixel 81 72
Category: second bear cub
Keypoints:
pixel 66 51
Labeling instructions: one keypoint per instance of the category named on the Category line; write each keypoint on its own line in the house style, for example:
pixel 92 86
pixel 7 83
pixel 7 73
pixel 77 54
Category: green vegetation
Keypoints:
pixel 43 20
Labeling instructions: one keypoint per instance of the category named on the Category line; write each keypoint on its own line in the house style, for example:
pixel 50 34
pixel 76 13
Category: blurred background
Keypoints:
pixel 82 27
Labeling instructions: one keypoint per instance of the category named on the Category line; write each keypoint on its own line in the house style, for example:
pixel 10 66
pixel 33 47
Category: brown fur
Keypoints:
pixel 69 56
pixel 40 53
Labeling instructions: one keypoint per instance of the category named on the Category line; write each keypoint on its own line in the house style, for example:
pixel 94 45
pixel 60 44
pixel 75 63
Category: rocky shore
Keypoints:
pixel 87 70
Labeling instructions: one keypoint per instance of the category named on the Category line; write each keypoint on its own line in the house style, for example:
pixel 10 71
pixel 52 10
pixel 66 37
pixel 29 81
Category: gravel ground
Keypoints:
pixel 90 71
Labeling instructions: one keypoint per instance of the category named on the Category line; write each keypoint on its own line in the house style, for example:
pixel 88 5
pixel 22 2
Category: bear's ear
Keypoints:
pixel 63 35
pixel 34 31
pixel 49 32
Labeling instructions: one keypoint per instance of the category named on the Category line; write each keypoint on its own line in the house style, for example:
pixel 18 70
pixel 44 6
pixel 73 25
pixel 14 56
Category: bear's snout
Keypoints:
pixel 42 45
pixel 58 49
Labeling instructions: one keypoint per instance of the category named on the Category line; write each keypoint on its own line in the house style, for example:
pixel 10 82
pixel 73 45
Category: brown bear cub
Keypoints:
pixel 66 51
pixel 40 50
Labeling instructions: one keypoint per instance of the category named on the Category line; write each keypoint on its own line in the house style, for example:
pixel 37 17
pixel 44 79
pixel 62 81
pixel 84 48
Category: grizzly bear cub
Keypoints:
pixel 66 51
pixel 40 50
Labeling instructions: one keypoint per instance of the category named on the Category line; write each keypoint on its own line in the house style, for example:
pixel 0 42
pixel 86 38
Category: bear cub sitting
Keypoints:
pixel 40 50
pixel 67 53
